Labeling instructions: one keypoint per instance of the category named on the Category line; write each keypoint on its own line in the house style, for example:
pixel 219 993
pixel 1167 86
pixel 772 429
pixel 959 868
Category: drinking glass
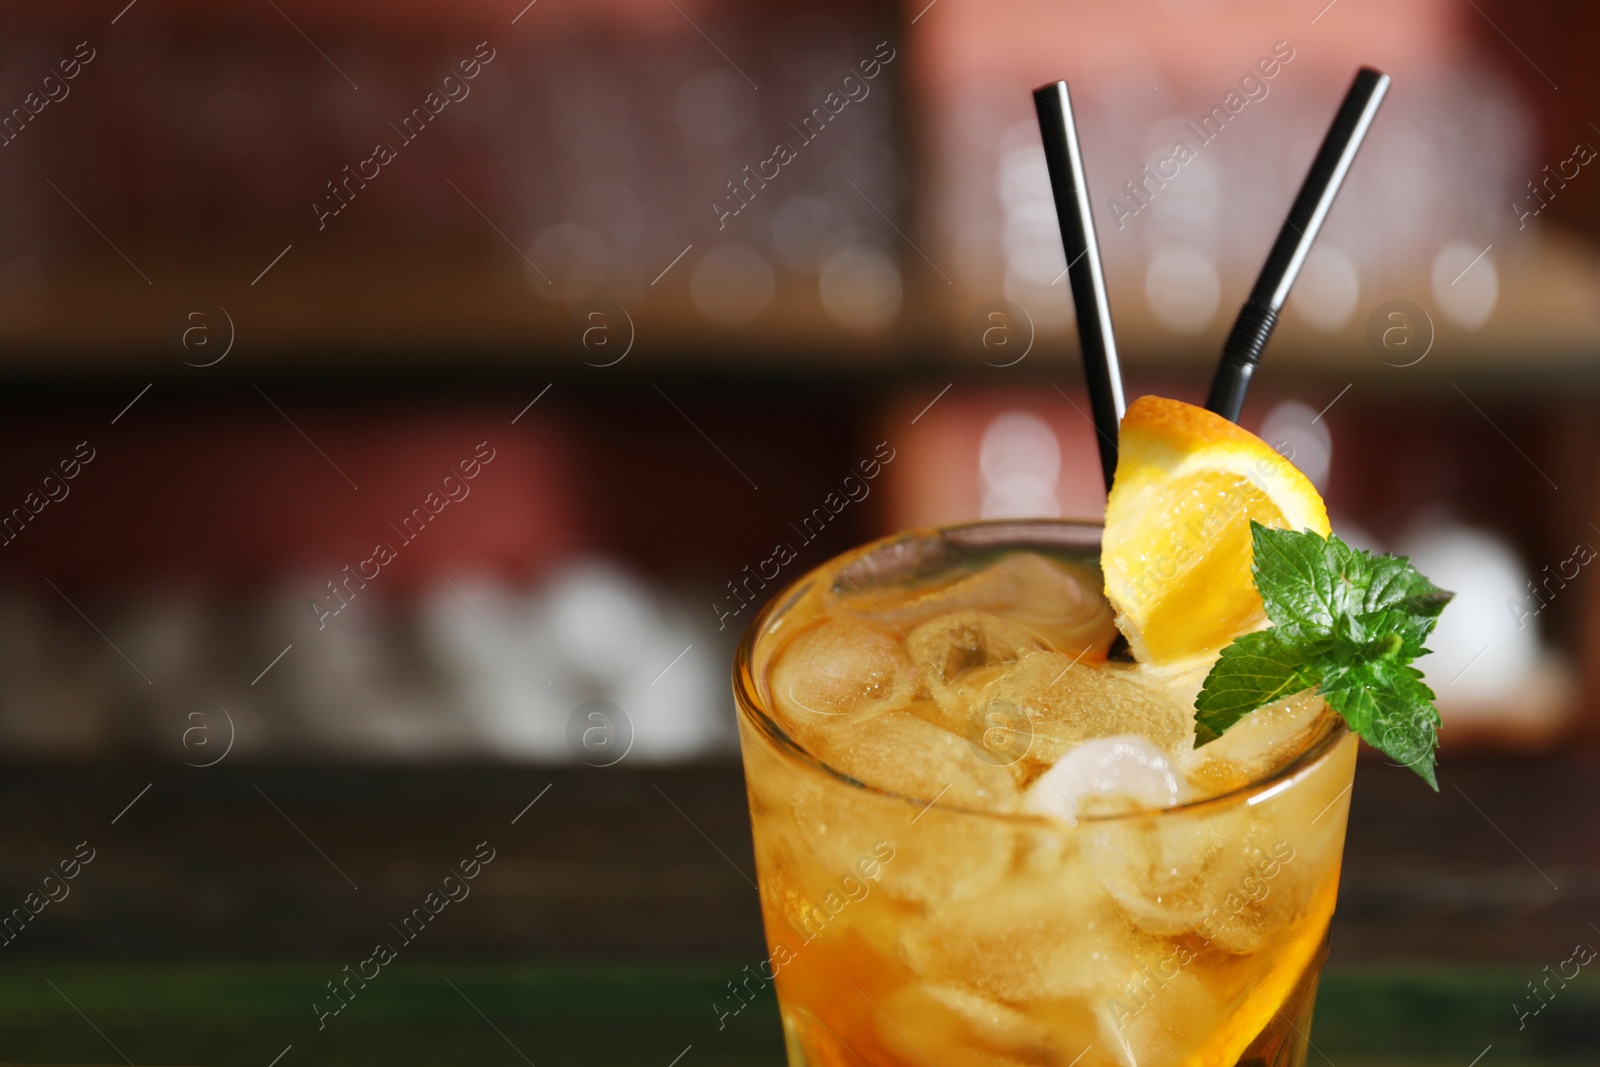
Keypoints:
pixel 908 930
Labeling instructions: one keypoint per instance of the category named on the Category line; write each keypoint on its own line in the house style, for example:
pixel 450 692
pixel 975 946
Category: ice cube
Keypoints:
pixel 1228 879
pixel 1105 776
pixel 923 854
pixel 997 1024
pixel 1070 700
pixel 950 646
pixel 939 853
pixel 1262 889
pixel 904 753
pixel 961 1028
pixel 1031 937
pixel 839 668
pixel 1062 599
pixel 1159 1020
pixel 1254 746
pixel 1165 872
pixel 955 654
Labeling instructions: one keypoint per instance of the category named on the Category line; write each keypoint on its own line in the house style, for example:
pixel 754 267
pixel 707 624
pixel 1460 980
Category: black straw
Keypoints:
pixel 1253 328
pixel 1071 189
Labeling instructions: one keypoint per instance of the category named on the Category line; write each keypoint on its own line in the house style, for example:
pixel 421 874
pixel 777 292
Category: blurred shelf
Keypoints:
pixel 1544 329
pixel 438 309
pixel 329 316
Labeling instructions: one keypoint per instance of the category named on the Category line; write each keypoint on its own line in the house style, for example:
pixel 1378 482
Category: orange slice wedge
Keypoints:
pixel 1177 547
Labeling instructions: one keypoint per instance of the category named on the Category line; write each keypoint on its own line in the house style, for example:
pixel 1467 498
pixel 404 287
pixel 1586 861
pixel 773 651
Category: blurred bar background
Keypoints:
pixel 661 273
pixel 330 254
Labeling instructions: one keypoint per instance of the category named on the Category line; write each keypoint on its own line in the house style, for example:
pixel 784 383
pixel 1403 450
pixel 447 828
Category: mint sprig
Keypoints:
pixel 1346 622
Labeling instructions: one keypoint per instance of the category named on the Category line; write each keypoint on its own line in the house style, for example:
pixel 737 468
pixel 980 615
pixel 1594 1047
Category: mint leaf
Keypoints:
pixel 1255 670
pixel 1302 581
pixel 1344 621
pixel 1390 706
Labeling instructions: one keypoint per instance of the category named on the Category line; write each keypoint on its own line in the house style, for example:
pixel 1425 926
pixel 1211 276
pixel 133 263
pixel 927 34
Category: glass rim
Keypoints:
pixel 747 699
